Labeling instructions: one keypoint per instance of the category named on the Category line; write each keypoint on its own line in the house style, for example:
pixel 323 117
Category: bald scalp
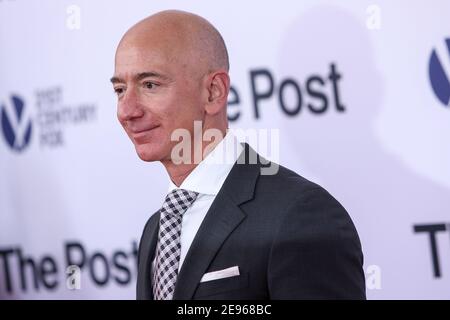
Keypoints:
pixel 187 37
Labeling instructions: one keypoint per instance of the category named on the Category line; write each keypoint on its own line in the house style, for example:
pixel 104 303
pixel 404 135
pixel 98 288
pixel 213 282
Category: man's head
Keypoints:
pixel 170 70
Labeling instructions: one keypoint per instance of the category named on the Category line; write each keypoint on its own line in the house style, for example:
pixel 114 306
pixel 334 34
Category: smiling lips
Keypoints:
pixel 141 136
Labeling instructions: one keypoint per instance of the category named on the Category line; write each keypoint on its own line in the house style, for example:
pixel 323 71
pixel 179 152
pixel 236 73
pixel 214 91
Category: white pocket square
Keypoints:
pixel 221 274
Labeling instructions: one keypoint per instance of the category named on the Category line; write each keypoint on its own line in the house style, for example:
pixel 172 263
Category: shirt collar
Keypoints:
pixel 210 174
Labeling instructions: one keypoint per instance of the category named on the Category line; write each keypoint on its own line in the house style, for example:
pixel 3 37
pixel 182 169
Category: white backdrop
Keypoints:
pixel 72 189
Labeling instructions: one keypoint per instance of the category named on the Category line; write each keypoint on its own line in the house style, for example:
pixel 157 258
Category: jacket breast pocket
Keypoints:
pixel 221 286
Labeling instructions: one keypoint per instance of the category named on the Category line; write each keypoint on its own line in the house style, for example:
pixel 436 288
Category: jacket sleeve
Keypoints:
pixel 316 253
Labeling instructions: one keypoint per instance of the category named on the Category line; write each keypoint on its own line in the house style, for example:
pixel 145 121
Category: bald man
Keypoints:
pixel 225 230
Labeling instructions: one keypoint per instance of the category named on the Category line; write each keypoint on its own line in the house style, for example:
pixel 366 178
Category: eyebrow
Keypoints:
pixel 141 76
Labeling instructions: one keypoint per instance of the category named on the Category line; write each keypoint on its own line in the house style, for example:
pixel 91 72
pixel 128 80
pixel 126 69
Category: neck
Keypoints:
pixel 179 172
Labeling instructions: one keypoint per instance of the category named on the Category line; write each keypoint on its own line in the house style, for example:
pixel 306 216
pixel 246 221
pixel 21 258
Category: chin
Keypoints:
pixel 148 153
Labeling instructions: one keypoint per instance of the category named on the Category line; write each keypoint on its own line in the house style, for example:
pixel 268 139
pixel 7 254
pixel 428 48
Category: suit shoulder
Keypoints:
pixel 310 205
pixel 289 182
pixel 300 197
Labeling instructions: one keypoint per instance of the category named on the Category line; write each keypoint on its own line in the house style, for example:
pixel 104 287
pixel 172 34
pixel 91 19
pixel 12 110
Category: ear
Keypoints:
pixel 218 88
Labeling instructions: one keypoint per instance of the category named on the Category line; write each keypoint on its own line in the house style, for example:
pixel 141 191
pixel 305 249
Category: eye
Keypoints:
pixel 118 91
pixel 150 85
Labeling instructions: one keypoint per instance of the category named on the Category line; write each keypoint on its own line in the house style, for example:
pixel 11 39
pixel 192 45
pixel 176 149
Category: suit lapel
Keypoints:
pixel 146 256
pixel 221 219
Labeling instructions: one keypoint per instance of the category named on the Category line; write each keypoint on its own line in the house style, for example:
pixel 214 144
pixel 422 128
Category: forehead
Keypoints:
pixel 133 59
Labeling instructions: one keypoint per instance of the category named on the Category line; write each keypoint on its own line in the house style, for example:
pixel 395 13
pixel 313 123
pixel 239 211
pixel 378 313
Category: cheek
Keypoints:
pixel 177 108
pixel 190 104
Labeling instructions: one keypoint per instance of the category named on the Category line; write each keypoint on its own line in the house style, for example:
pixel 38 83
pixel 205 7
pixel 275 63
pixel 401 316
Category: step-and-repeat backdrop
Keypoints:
pixel 357 91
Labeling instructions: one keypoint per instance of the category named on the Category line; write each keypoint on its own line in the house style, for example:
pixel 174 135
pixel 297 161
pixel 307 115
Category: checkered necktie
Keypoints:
pixel 169 246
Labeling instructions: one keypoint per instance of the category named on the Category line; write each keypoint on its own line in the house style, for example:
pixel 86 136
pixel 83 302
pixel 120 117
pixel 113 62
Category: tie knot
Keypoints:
pixel 178 201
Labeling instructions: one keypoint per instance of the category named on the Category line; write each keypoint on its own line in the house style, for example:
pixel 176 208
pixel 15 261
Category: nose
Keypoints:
pixel 129 107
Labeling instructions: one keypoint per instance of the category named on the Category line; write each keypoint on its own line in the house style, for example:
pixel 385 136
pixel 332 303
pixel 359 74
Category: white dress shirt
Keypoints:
pixel 206 179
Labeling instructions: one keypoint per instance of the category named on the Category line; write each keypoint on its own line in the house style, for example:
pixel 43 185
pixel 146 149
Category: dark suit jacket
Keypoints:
pixel 289 237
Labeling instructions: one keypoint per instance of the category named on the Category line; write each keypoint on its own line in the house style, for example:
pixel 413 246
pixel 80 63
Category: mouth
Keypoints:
pixel 142 136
